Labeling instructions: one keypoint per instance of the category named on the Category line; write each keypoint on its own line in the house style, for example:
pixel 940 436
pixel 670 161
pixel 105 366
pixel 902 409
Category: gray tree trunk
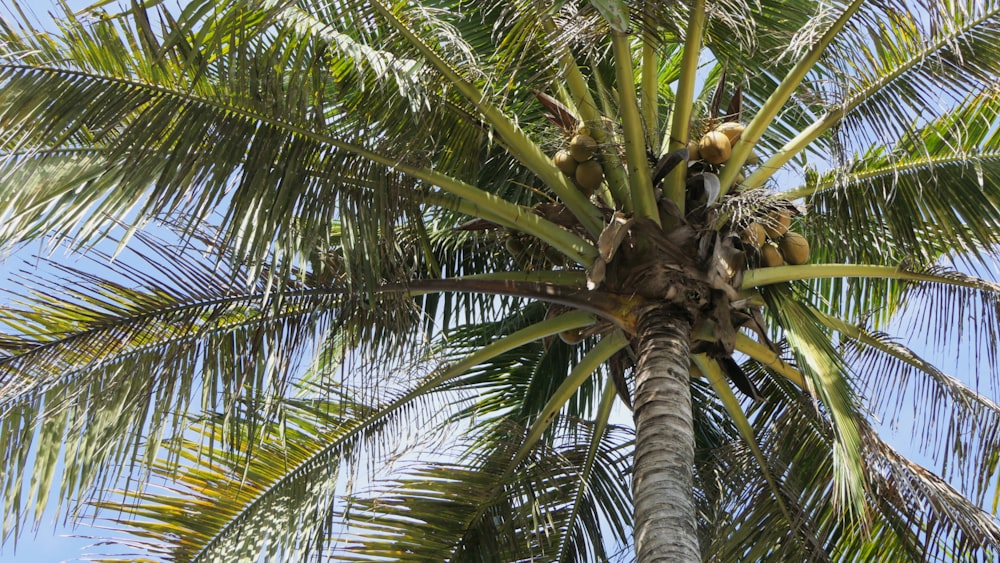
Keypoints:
pixel 662 484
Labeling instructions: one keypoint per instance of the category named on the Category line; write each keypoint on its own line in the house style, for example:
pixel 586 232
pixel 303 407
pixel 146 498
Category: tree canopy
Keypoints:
pixel 344 292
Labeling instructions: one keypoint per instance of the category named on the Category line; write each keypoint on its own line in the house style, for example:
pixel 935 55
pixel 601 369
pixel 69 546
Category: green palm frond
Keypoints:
pixel 277 478
pixel 893 371
pixel 68 363
pixel 252 142
pixel 904 203
pixel 469 511
pixel 828 380
pixel 886 80
pixel 930 507
pixel 939 54
pixel 907 504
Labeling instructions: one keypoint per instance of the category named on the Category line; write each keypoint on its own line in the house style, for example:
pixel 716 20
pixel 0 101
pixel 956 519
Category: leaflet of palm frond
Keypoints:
pixel 826 373
pixel 973 419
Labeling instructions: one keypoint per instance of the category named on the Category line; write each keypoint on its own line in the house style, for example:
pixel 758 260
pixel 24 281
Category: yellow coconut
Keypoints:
pixel 589 176
pixel 753 159
pixel 715 147
pixel 777 222
pixel 794 248
pixel 753 235
pixel 732 130
pixel 582 147
pixel 770 257
pixel 565 162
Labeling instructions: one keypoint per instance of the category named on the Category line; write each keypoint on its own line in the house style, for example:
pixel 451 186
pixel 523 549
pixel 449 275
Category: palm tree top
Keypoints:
pixel 380 279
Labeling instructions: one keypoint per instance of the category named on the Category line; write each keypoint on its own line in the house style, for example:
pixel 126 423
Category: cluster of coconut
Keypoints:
pixel 716 146
pixel 578 161
pixel 775 243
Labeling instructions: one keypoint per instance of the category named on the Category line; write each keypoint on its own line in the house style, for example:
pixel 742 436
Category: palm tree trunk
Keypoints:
pixel 662 483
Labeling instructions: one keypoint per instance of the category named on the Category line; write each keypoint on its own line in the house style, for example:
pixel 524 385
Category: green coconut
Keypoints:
pixel 731 130
pixel 777 222
pixel 565 162
pixel 693 151
pixel 589 175
pixel 582 147
pixel 754 235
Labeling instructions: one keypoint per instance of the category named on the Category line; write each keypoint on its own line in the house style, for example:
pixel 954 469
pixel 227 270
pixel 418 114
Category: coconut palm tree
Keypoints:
pixel 388 281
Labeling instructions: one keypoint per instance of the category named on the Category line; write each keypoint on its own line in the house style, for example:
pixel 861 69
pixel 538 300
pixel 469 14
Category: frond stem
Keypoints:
pixel 710 368
pixel 912 166
pixel 639 178
pixel 768 276
pixel 831 118
pixel 765 116
pixel 518 143
pixel 675 184
pixel 607 347
pixel 600 425
pixel 584 101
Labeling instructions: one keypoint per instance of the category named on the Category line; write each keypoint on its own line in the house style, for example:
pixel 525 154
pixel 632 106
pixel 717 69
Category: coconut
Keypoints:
pixel 693 152
pixel 572 337
pixel 731 130
pixel 589 176
pixel 582 147
pixel 777 222
pixel 515 246
pixel 753 159
pixel 715 147
pixel 565 162
pixel 794 248
pixel 770 257
pixel 753 235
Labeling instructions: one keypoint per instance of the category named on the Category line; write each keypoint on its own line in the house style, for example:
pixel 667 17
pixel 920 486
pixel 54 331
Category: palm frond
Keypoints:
pixel 68 365
pixel 895 375
pixel 827 380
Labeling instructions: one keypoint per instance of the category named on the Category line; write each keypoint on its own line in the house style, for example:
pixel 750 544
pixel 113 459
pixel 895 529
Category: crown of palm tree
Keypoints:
pixel 385 314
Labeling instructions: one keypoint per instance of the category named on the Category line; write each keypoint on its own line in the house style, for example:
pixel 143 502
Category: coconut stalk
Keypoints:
pixel 639 178
pixel 649 84
pixel 675 185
